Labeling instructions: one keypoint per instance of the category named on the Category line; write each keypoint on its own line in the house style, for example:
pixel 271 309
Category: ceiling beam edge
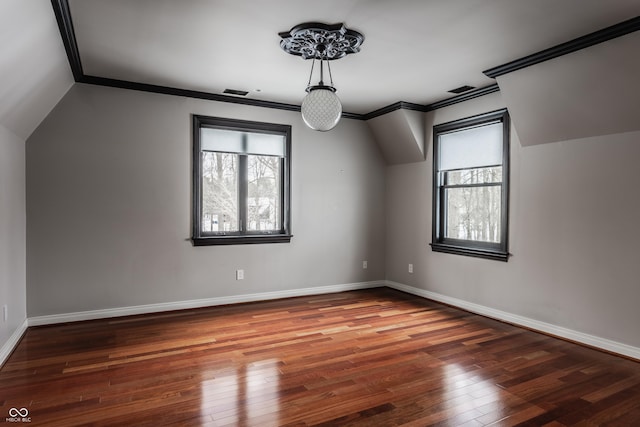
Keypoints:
pixel 67 33
pixel 463 97
pixel 600 36
pixel 400 105
pixel 166 90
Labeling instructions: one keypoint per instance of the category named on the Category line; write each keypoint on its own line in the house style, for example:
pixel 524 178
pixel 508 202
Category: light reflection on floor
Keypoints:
pixel 243 393
pixel 469 396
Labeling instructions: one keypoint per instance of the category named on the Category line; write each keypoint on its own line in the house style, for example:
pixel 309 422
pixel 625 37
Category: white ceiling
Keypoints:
pixel 414 50
pixel 33 65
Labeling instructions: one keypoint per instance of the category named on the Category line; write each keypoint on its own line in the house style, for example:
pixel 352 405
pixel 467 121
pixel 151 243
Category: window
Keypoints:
pixel 240 182
pixel 471 186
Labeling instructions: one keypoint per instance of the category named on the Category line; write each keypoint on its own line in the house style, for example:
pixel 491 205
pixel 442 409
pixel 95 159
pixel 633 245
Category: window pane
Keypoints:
pixel 473 213
pixel 263 193
pixel 474 176
pixel 219 192
pixel 471 148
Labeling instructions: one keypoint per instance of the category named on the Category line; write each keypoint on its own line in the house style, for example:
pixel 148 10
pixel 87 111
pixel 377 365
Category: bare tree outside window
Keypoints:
pixel 263 193
pixel 219 192
pixel 473 209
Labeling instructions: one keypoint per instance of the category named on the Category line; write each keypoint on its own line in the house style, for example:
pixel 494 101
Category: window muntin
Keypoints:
pixel 470 194
pixel 241 182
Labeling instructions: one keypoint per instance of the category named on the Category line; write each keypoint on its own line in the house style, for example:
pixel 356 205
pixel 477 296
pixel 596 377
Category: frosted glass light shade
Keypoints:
pixel 321 109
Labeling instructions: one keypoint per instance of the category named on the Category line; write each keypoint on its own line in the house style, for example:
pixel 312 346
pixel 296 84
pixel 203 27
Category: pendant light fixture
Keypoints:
pixel 321 108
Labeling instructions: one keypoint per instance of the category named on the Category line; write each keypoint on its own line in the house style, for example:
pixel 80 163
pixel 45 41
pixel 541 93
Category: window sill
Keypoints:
pixel 241 240
pixel 468 251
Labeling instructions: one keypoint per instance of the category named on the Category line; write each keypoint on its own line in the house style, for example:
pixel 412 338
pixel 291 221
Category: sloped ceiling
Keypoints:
pixel 400 135
pixel 594 91
pixel 33 65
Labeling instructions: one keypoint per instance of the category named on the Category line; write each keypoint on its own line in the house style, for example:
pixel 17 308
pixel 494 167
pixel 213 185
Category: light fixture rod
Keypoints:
pixel 313 62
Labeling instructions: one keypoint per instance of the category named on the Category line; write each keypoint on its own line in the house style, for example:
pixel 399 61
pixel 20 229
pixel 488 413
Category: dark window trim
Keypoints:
pixel 200 238
pixel 496 251
pixel 241 240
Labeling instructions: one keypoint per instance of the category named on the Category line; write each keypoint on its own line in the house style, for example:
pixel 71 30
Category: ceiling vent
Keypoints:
pixel 236 92
pixel 461 89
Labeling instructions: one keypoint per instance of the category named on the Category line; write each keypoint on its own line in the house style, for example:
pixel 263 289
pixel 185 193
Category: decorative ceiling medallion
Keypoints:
pixel 321 108
pixel 314 40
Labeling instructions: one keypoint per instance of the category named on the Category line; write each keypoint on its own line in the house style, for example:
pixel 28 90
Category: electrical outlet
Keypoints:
pixel 364 264
pixel 5 312
pixel 410 268
pixel 239 274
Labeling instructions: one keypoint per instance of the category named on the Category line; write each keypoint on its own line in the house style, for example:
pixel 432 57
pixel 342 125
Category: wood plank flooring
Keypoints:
pixel 363 358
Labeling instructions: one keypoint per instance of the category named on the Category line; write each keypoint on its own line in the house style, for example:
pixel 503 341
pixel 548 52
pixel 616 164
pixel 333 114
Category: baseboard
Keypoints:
pixel 547 328
pixel 569 334
pixel 11 343
pixel 206 302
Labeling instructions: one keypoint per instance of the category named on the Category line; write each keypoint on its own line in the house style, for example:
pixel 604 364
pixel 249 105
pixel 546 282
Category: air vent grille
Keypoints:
pixel 461 89
pixel 236 92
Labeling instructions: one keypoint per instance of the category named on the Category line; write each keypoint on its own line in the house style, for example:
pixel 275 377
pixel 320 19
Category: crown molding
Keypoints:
pixel 463 97
pixel 400 105
pixel 166 90
pixel 65 25
pixel 603 35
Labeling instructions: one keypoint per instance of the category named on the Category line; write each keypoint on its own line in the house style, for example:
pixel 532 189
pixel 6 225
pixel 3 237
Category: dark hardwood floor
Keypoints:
pixel 367 358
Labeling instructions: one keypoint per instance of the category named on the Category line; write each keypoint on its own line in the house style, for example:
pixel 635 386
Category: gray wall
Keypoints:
pixel 12 233
pixel 109 207
pixel 574 233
